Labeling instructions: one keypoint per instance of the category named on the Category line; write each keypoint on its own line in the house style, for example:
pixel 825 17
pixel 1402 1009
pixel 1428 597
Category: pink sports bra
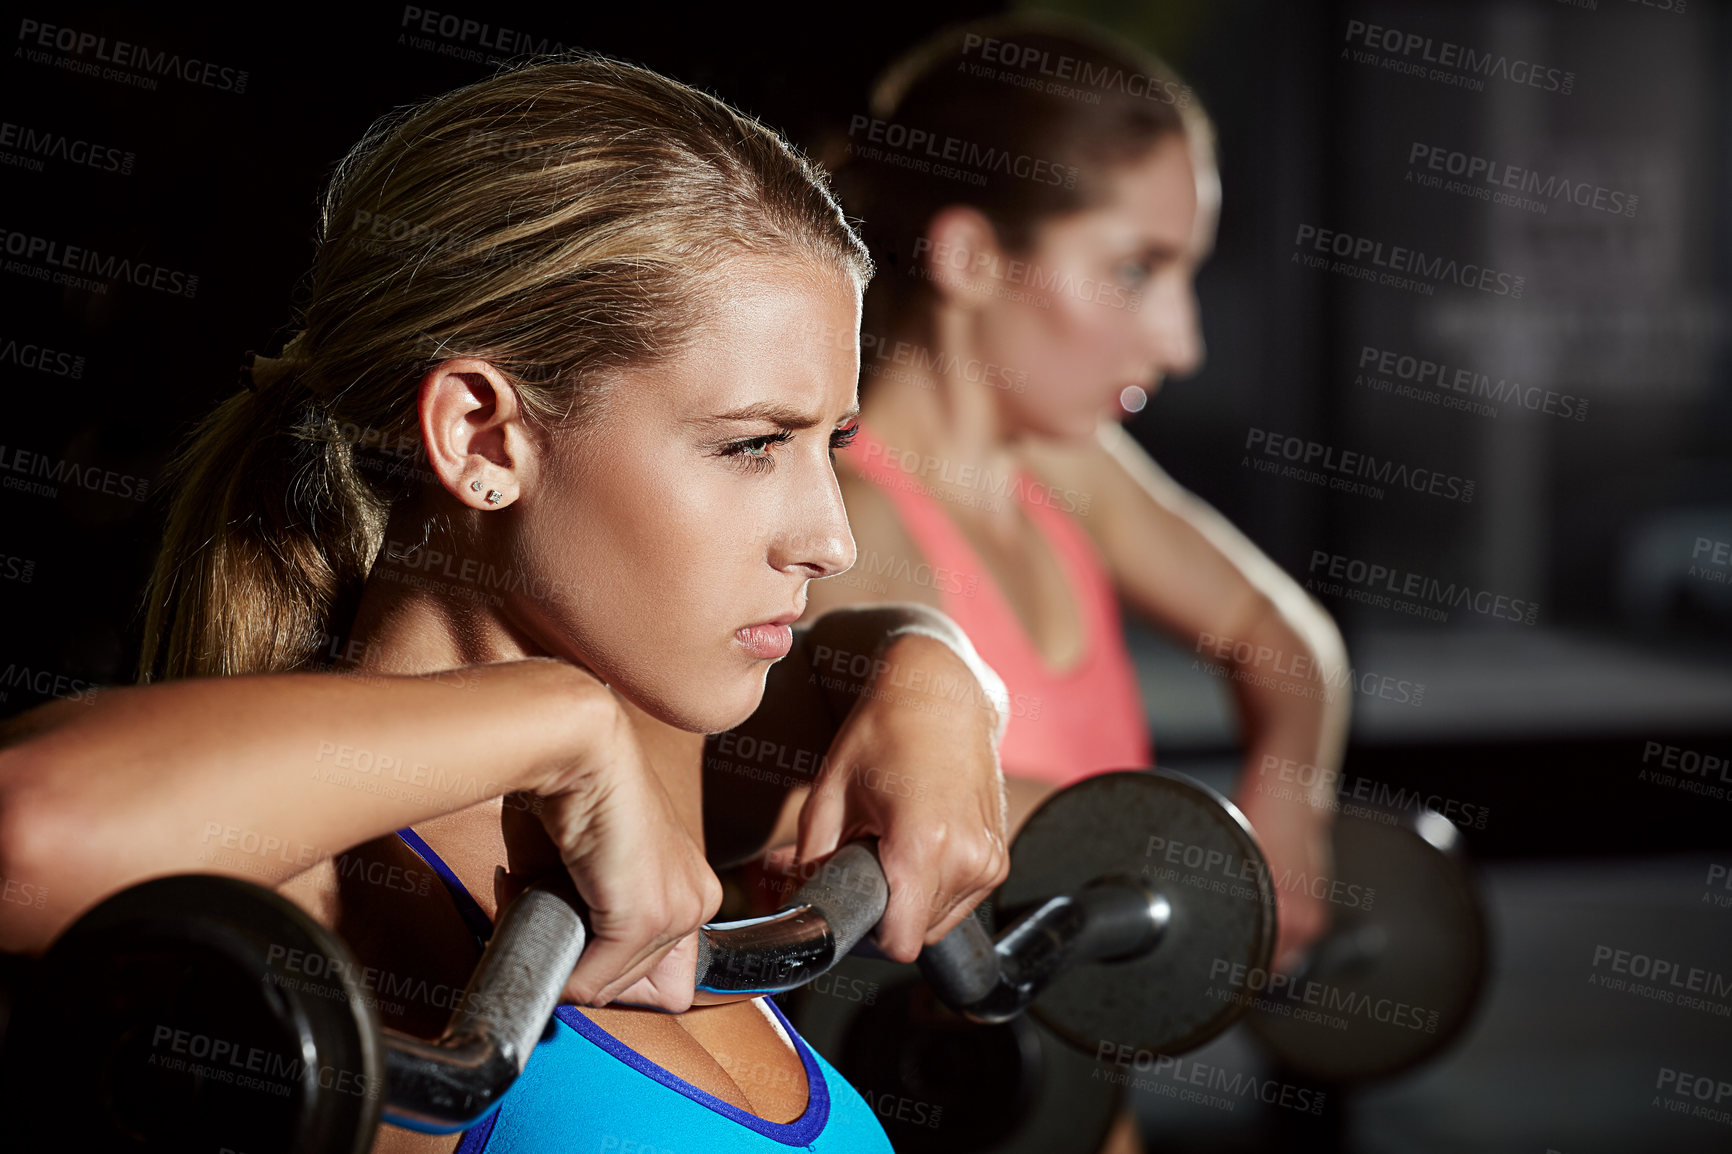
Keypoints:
pixel 1065 724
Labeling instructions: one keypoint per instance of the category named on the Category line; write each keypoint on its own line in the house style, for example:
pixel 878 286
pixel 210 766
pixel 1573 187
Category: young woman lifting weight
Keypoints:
pixel 548 468
pixel 1030 295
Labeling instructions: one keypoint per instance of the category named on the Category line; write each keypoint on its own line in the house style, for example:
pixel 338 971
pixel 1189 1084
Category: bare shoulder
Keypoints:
pixel 887 564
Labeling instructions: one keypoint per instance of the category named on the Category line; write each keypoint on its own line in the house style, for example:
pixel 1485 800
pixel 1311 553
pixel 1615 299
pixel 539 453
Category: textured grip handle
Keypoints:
pixel 963 966
pixel 522 972
pixel 849 892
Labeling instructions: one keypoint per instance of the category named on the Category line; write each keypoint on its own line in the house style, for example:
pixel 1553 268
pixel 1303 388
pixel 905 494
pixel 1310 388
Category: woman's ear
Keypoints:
pixel 960 256
pixel 477 442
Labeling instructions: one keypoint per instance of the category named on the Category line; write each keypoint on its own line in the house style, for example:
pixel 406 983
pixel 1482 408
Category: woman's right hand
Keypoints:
pixel 607 823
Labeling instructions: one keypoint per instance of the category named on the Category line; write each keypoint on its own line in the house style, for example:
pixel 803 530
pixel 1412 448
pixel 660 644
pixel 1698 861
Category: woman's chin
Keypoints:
pixel 726 707
pixel 720 704
pixel 1062 427
pixel 1075 430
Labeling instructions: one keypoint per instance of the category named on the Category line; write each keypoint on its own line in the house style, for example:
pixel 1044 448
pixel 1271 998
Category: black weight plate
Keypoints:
pixel 941 1083
pixel 196 1013
pixel 1184 842
pixel 1392 984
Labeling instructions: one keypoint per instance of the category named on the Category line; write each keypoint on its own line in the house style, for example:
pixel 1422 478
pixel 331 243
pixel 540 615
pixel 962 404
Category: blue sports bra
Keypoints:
pixel 583 1085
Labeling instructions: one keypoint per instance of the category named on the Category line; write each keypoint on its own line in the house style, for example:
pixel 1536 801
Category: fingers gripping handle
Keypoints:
pixel 449 1084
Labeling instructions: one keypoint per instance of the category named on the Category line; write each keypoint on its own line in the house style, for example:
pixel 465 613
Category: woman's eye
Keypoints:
pixel 754 452
pixel 842 438
pixel 1134 272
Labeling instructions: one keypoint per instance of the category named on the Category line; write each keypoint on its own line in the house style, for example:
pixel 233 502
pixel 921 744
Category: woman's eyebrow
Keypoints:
pixel 774 412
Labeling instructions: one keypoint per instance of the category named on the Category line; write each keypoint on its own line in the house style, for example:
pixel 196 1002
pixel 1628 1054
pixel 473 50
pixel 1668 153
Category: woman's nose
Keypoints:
pixel 1175 338
pixel 818 537
pixel 832 552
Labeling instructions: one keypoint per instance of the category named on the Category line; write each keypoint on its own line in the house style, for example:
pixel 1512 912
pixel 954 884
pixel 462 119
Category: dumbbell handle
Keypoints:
pixel 1344 949
pixel 987 981
pixel 447 1085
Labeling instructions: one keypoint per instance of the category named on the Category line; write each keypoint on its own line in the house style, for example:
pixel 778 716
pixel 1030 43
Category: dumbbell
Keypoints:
pixel 168 1017
pixel 949 1044
pixel 201 1012
pixel 1405 958
pixel 1397 977
pixel 1392 982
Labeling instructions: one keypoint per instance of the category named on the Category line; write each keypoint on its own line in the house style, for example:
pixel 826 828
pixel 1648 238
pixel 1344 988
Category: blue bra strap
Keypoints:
pixel 475 1138
pixel 473 915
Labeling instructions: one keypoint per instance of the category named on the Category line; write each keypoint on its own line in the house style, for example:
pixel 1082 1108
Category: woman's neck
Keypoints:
pixel 429 606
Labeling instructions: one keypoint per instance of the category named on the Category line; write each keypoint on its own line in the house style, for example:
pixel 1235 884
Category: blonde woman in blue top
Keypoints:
pixel 546 471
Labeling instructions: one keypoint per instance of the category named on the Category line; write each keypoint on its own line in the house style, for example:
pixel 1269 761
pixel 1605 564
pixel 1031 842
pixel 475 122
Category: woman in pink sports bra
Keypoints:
pixel 1032 291
pixel 1067 720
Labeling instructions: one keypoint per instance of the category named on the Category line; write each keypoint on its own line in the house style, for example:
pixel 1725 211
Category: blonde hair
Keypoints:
pixel 556 219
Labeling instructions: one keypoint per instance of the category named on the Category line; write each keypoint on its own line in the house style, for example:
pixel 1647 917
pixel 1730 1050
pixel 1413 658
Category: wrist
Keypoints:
pixel 926 667
pixel 568 716
pixel 955 672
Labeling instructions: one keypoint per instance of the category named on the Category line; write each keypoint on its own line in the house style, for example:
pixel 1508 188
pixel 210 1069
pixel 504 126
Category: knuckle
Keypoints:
pixel 897 949
pixel 980 855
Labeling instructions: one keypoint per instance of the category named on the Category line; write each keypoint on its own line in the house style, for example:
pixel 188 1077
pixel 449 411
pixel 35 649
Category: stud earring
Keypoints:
pixel 475 485
pixel 493 496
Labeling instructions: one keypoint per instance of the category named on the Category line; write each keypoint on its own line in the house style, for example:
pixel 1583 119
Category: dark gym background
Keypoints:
pixel 1610 524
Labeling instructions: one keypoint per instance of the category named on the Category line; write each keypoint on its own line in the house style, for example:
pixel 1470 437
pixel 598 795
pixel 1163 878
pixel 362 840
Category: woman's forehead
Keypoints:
pixel 779 336
pixel 1157 201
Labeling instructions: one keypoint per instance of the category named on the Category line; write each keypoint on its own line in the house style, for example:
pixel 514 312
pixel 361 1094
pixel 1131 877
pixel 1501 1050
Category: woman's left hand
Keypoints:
pixel 914 764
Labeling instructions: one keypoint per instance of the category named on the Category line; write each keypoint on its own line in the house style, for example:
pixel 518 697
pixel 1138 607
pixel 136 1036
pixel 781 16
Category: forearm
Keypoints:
pixel 1294 705
pixel 758 775
pixel 851 655
pixel 262 776
pixel 915 661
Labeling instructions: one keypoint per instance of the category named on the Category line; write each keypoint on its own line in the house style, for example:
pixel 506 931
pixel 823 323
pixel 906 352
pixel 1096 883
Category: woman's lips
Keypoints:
pixel 766 642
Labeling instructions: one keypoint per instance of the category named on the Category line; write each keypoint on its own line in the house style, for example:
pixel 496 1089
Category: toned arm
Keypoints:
pixel 1187 569
pixel 261 776
pixel 1184 567
pixel 758 775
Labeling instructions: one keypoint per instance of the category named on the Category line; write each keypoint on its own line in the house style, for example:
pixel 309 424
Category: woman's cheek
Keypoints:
pixel 1088 341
